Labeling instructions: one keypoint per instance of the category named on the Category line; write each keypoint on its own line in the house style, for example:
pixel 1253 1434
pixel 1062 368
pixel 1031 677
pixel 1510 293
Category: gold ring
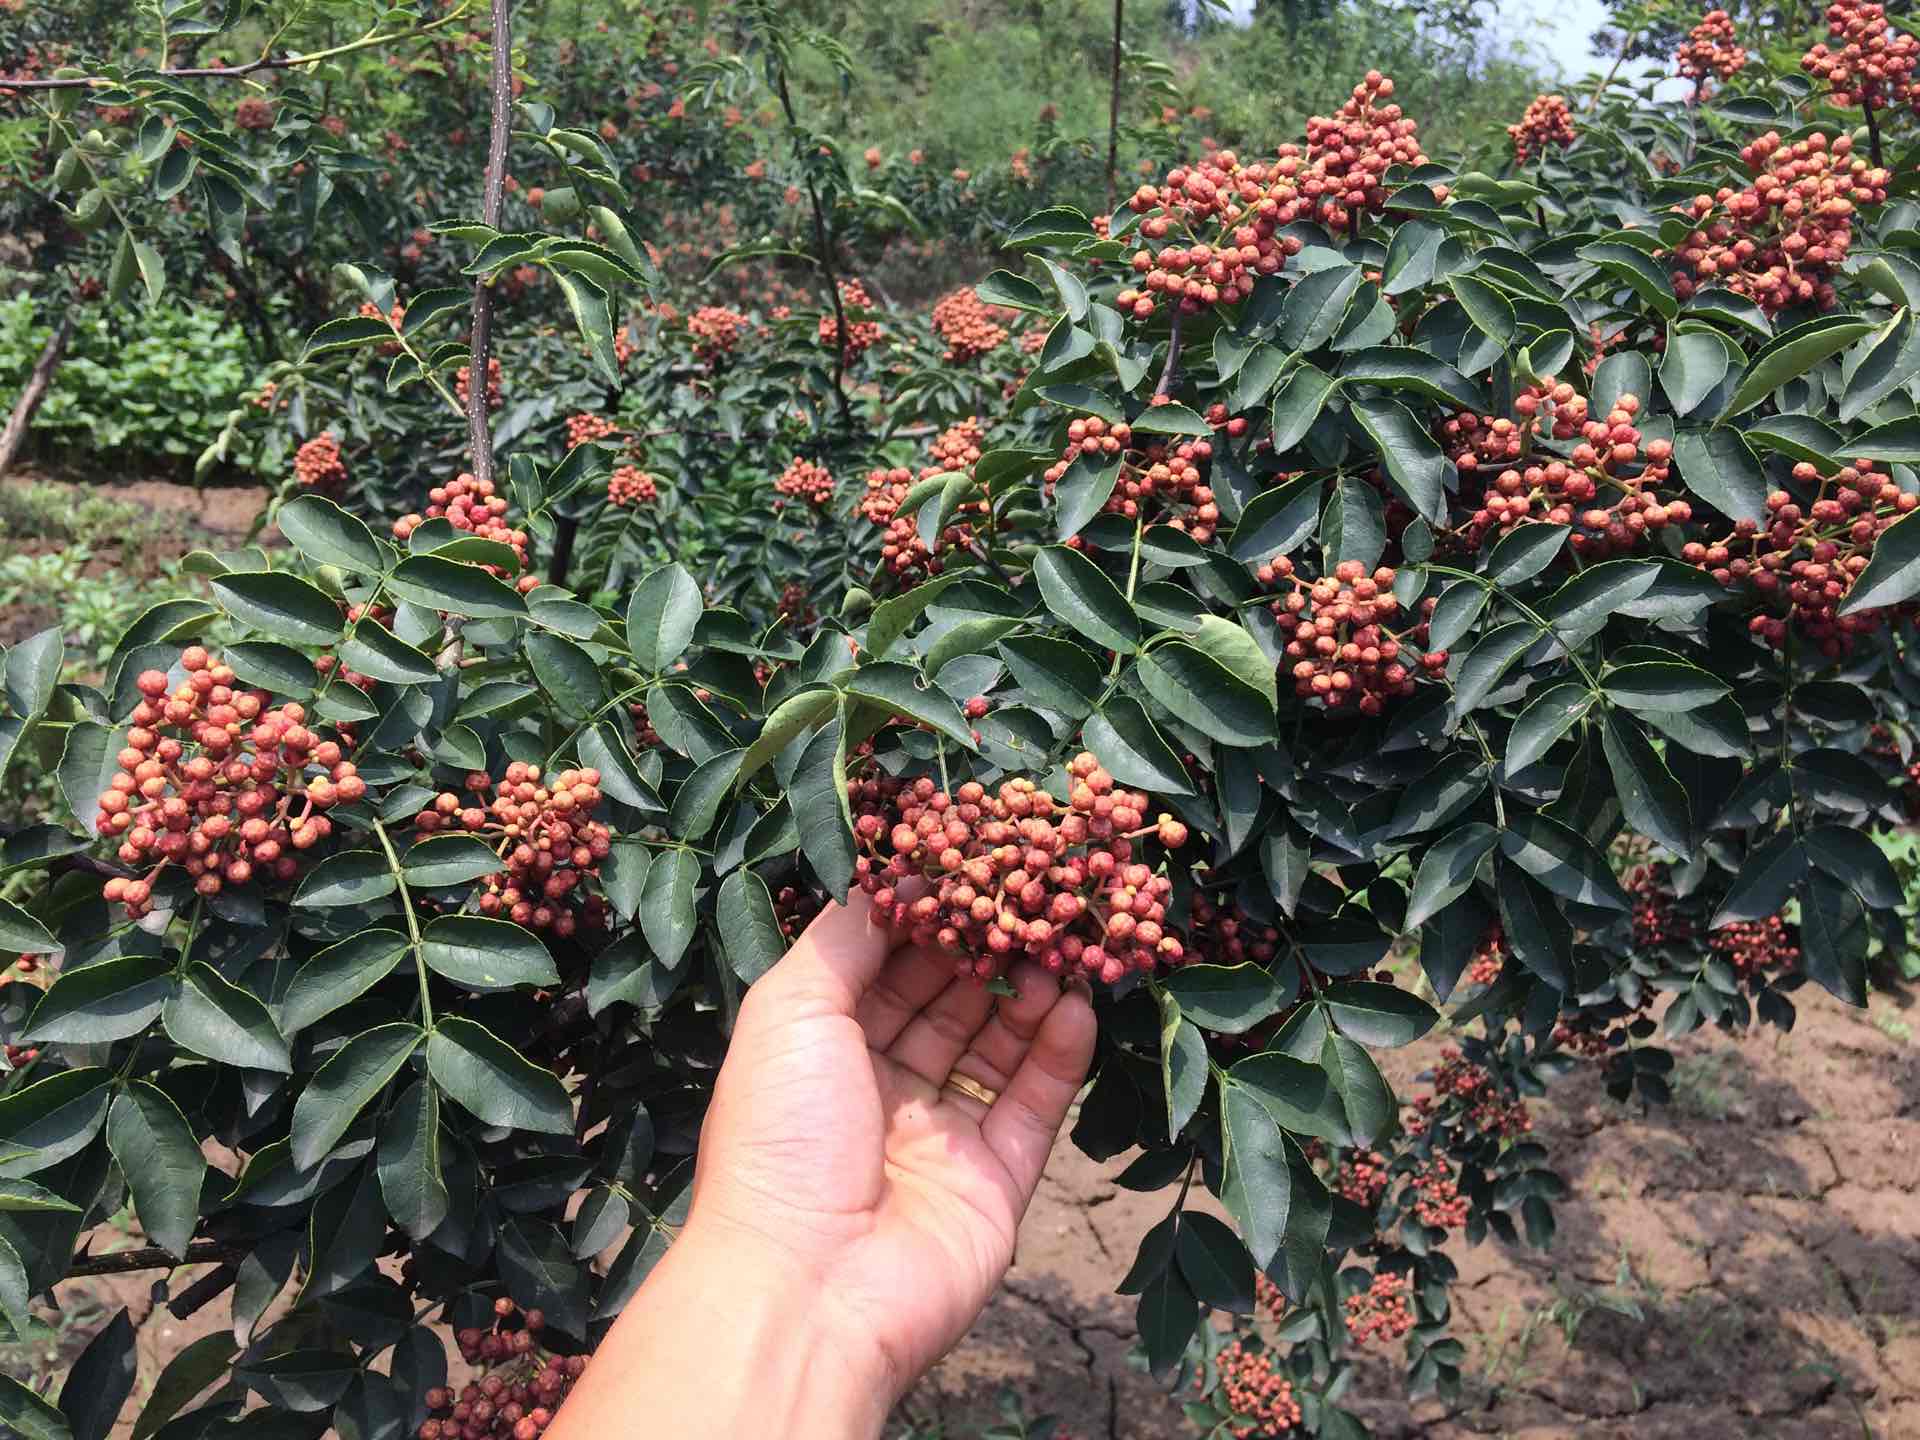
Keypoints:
pixel 972 1089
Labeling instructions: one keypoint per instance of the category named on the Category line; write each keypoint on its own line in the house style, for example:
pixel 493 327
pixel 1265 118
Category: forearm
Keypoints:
pixel 721 1343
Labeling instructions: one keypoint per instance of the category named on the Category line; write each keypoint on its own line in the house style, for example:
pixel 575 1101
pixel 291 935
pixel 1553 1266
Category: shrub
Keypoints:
pixel 1405 567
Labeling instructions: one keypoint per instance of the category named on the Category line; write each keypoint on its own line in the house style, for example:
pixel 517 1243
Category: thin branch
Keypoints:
pixel 152 1257
pixel 479 436
pixel 235 72
pixel 1873 130
pixel 1626 44
pixel 1171 370
pixel 820 243
pixel 1113 108
pixel 21 420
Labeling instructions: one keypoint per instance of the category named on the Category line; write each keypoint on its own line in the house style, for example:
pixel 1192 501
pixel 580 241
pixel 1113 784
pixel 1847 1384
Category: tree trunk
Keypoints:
pixel 17 423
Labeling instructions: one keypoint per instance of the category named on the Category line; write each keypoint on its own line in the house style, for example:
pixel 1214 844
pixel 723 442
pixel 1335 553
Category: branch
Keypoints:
pixel 152 1257
pixel 21 420
pixel 1626 44
pixel 501 89
pixel 1171 370
pixel 1113 108
pixel 841 334
pixel 235 72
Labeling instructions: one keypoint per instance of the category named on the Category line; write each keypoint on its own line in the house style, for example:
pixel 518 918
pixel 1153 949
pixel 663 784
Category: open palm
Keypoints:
pixel 831 1140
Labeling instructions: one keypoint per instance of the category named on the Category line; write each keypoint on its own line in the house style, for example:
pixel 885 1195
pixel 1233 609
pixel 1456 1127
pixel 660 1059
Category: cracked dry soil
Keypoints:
pixel 1764 1229
pixel 1741 1265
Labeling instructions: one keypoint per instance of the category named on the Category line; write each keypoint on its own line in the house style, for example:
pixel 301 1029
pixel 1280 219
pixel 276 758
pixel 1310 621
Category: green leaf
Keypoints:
pixel 818 795
pixel 1079 594
pixel 1766 880
pixel 593 316
pixel 1535 927
pixel 1215 1263
pixel 16 1293
pixel 21 933
pixel 1171 418
pixel 442 861
pixel 567 673
pixel 1663 685
pixel 1354 525
pixel 374 650
pixel 1561 860
pixel 1297 404
pixel 437 583
pixel 494 1082
pixel 1489 310
pixel 604 749
pixel 1378 1015
pixel 1080 494
pixel 1851 857
pixel 107 1000
pixel 32 670
pixel 1632 266
pixel 1277 520
pixel 1315 307
pixel 188 1374
pixel 211 1016
pixel 1256 1180
pixel 1460 605
pixel 661 617
pixel 897 688
pixel 1695 363
pixel 278 668
pixel 1413 256
pixel 782 727
pixel 25 1197
pixel 52 1120
pixel 1166 1318
pixel 1052 672
pixel 1833 939
pixel 1446 871
pixel 749 929
pixel 1897 442
pixel 412 1183
pixel 696 804
pixel 1487 663
pixel 1369 1105
pixel 88 763
pixel 1892 576
pixel 1524 552
pixel 1296 1093
pixel 353 877
pixel 1226 999
pixel 328 535
pixel 483 955
pixel 1131 747
pixel 1183 1065
pixel 1790 355
pixel 156 1150
pixel 351 1079
pixel 26 1415
pixel 1718 467
pixel 1196 688
pixel 338 974
pixel 1400 367
pixel 1654 802
pixel 281 606
pixel 1416 469
pixel 666 906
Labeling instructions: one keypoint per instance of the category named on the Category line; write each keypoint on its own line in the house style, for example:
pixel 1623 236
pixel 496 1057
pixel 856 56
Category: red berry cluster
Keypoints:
pixel 1546 122
pixel 1757 948
pixel 795 607
pixel 1709 51
pixel 546 837
pixel 463 382
pixel 969 325
pixel 1779 241
pixel 1362 1178
pixel 806 482
pixel 1489 957
pixel 1338 648
pixel 957 448
pixel 1381 1311
pixel 1163 480
pixel 862 335
pixel 1459 1084
pixel 716 330
pixel 521 1391
pixel 1437 1200
pixel 209 780
pixel 1222 218
pixel 795 909
pixel 394 319
pixel 1656 920
pixel 1872 64
pixel 630 485
pixel 1260 1397
pixel 317 464
pixel 254 113
pixel 356 614
pixel 1223 934
pixel 471 505
pixel 1810 556
pixel 1350 152
pixel 584 428
pixel 1018 872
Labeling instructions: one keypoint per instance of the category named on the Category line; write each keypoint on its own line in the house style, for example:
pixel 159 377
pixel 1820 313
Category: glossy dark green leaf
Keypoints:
pixel 211 1016
pixel 1400 367
pixel 897 687
pixel 1354 524
pixel 412 1181
pixel 1892 576
pixel 1378 1015
pixel 1446 871
pixel 1637 270
pixel 52 1119
pixel 1166 1318
pixel 1524 552
pixel 158 1154
pixel 1055 673
pixel 1415 468
pixel 1183 1065
pixel 26 1415
pixel 1079 593
pixel 434 582
pixel 338 974
pixel 568 673
pixel 749 930
pixel 1131 747
pixel 1719 467
pixel 1561 860
pixel 1853 858
pixel 1315 307
pixel 1215 1263
pixel 353 877
pixel 1364 1095
pixel 1488 662
pixel 1663 685
pixel 187 1374
pixel 1535 926
pixel 1694 364
pixel 666 907
pixel 1790 355
pixel 107 1000
pixel 441 861
pixel 818 795
pixel 328 535
pixel 352 1078
pixel 481 955
pixel 1196 688
pixel 493 1081
pixel 1226 999
pixel 1833 938
pixel 1547 717
pixel 1256 1181
pixel 281 605
pixel 1654 802
pixel 1767 877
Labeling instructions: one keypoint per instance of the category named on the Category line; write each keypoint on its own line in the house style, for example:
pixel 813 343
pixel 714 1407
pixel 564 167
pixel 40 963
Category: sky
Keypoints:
pixel 1554 31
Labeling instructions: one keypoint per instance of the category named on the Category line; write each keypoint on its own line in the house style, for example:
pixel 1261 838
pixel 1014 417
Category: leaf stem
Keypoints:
pixel 413 924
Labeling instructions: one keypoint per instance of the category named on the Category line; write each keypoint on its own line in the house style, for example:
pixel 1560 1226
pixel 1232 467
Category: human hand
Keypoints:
pixel 834 1148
